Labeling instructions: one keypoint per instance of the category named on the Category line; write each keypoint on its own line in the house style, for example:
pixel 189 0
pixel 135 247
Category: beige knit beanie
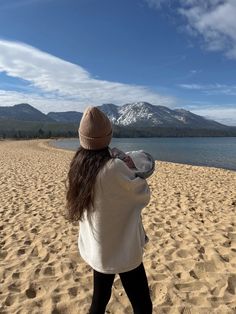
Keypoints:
pixel 95 130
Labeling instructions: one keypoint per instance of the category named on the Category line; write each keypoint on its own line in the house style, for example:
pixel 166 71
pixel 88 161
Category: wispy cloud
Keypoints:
pixel 43 103
pixel 212 89
pixel 191 86
pixel 222 113
pixel 55 78
pixel 213 20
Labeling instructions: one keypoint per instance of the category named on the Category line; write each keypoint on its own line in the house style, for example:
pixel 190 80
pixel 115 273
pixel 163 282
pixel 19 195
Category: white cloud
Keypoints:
pixel 42 103
pixel 212 89
pixel 213 20
pixel 59 79
pixel 223 114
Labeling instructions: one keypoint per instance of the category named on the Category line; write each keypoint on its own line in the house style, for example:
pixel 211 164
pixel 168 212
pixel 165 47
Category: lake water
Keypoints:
pixel 204 151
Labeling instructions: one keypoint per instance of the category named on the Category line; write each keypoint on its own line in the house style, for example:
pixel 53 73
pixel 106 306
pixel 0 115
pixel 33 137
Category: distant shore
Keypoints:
pixel 190 259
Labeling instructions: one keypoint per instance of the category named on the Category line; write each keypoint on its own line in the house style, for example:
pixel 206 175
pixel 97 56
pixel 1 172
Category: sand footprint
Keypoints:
pixel 36 272
pixel 13 287
pixel 3 254
pixel 182 253
pixel 160 293
pixel 49 271
pixel 73 292
pixel 21 252
pixel 34 230
pixel 31 292
pixel 190 286
pixel 10 300
pixel 27 242
pixel 16 275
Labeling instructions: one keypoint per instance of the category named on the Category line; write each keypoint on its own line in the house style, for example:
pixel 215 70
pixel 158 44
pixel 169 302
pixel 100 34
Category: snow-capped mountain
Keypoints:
pixel 143 114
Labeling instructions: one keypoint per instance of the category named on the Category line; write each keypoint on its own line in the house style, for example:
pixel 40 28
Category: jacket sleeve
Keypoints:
pixel 122 183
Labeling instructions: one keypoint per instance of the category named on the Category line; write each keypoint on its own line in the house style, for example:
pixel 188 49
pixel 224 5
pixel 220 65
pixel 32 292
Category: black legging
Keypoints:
pixel 135 285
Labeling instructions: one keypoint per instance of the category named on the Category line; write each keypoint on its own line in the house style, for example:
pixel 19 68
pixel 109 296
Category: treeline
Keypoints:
pixel 35 134
pixel 173 132
pixel 15 129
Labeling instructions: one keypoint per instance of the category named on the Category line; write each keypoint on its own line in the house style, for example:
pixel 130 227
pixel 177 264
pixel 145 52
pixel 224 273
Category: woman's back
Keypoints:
pixel 107 197
pixel 111 237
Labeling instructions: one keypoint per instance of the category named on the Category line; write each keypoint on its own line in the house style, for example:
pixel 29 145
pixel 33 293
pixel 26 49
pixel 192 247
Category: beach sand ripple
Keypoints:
pixel 190 258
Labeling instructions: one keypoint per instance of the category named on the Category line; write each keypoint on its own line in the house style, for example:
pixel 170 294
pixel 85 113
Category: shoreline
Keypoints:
pixel 190 259
pixel 50 143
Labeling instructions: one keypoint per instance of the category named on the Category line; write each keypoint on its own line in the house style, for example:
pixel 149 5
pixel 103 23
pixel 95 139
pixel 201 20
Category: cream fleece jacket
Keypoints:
pixel 112 239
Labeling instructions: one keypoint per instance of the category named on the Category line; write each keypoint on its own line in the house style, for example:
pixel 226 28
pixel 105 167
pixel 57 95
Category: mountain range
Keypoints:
pixel 139 119
pixel 138 115
pixel 143 114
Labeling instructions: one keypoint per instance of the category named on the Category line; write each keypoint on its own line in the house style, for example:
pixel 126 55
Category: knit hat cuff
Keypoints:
pixel 94 143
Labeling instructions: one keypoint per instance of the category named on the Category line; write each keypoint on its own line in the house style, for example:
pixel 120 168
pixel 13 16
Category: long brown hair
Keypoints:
pixel 81 177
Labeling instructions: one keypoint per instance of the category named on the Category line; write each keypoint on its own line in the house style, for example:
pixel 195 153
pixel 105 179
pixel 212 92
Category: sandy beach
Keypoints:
pixel 190 259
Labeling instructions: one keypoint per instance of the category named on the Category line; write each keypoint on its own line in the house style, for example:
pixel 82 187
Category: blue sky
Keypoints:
pixel 61 55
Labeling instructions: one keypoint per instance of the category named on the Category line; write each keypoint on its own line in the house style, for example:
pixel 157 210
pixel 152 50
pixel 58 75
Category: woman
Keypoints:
pixel 106 196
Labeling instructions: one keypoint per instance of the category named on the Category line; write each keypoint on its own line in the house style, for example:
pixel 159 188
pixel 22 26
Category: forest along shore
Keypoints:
pixel 190 259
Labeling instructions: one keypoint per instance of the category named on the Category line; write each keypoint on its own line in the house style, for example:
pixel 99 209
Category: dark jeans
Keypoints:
pixel 135 285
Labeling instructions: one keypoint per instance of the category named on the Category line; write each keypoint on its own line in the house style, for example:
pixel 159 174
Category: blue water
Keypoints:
pixel 204 151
